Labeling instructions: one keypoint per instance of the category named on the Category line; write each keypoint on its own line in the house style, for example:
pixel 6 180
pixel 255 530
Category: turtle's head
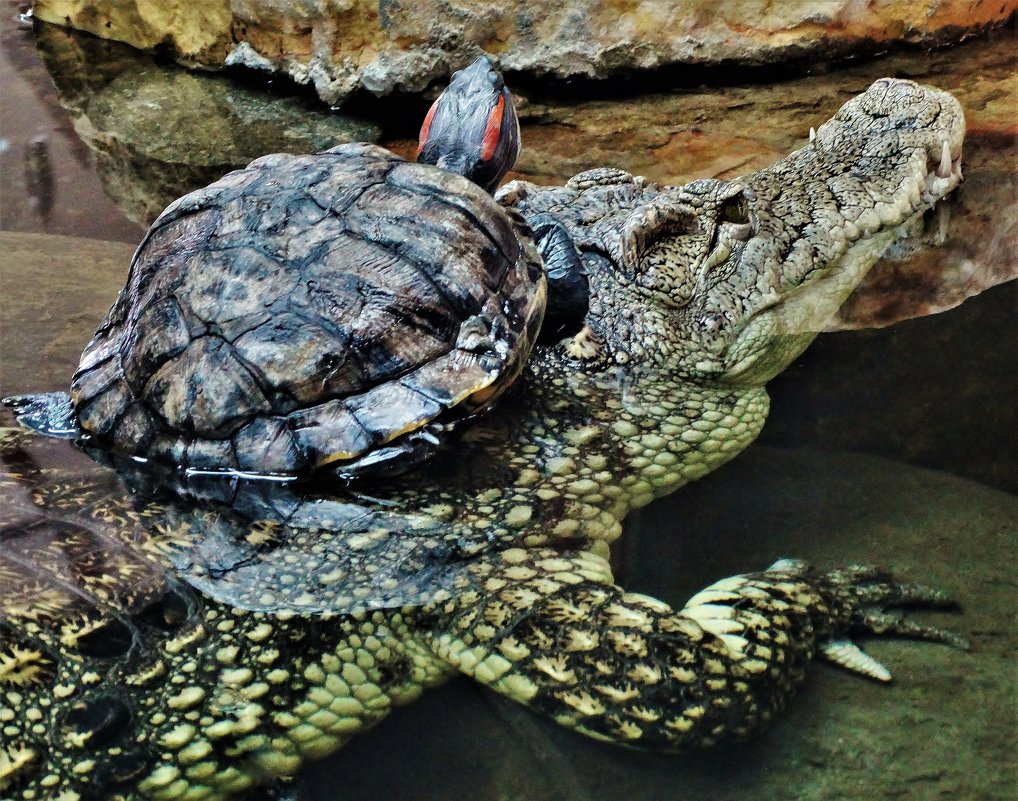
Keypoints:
pixel 736 278
pixel 472 129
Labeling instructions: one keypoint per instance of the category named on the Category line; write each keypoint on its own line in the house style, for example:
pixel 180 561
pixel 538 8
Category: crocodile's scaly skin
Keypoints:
pixel 155 649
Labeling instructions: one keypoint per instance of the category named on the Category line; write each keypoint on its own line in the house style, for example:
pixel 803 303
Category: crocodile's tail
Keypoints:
pixel 50 413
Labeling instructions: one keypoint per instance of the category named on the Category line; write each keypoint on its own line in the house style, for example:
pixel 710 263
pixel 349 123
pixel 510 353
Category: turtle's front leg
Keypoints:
pixel 553 631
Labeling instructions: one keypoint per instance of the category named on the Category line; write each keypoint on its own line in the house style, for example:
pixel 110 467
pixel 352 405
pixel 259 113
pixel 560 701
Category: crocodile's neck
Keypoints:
pixel 658 430
pixel 572 451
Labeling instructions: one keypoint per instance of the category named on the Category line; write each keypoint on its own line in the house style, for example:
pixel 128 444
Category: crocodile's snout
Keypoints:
pixel 826 213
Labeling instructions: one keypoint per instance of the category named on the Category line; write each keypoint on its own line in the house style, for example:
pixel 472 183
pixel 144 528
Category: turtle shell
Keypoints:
pixel 308 310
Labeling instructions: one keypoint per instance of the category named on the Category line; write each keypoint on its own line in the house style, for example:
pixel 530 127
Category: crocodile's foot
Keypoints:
pixel 873 603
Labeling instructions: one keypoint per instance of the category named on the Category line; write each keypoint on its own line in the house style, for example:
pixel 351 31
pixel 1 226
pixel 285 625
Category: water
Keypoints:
pixel 889 445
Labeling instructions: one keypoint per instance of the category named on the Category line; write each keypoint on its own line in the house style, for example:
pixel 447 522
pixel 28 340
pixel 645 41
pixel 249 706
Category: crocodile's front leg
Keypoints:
pixel 554 632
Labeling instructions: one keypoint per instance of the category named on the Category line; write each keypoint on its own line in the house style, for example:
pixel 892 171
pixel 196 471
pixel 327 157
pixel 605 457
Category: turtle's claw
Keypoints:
pixel 50 413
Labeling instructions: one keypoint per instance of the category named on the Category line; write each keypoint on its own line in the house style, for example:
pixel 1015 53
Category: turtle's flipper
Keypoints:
pixel 49 413
pixel 554 633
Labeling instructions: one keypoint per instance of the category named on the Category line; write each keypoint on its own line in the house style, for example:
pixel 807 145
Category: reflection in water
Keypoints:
pixel 29 108
pixel 59 510
pixel 158 132
pixel 253 544
pixel 39 178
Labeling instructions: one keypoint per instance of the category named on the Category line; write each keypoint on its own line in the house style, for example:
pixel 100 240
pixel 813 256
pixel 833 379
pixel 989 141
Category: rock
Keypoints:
pixel 158 132
pixel 978 237
pixel 340 46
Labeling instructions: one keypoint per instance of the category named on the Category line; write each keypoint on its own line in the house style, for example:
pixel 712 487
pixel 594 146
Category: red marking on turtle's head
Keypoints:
pixel 493 131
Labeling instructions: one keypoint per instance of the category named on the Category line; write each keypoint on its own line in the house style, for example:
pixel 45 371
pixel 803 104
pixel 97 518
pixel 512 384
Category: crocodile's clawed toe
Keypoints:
pixel 850 656
pixel 874 600
pixel 874 586
pixel 896 624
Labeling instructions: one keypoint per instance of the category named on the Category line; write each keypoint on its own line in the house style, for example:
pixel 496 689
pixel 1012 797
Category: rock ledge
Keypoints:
pixel 341 46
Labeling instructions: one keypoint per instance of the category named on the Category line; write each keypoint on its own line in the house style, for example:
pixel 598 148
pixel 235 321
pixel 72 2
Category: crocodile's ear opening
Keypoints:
pixel 664 217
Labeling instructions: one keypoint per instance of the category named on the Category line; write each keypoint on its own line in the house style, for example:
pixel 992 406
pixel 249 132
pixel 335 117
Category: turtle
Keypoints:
pixel 335 311
pixel 195 636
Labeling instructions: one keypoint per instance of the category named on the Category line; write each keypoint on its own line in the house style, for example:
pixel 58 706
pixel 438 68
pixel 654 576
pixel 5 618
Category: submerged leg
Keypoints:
pixel 48 413
pixel 553 632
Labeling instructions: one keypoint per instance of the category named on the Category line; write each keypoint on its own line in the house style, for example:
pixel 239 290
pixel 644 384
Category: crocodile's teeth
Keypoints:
pixel 848 655
pixel 812 134
pixel 944 168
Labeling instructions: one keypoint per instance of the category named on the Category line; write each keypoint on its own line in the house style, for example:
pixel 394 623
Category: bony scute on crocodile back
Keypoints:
pixel 305 621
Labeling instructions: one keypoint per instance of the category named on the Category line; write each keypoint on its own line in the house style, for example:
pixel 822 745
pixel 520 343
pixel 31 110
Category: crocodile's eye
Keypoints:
pixel 734 210
pixel 733 218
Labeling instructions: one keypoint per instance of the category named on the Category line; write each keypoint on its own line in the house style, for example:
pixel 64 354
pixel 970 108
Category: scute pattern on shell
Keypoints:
pixel 307 309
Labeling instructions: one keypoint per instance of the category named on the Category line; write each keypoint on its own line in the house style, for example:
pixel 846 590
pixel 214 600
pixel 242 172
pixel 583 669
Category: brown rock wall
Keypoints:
pixel 341 46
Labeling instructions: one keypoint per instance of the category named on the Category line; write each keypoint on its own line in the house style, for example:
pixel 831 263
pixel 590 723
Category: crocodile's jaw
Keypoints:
pixel 774 337
pixel 900 146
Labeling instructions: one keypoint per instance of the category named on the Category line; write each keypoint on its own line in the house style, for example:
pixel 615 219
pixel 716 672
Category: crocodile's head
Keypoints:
pixel 733 279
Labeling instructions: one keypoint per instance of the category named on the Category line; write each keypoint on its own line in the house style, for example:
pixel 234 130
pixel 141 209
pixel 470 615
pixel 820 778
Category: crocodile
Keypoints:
pixel 200 642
